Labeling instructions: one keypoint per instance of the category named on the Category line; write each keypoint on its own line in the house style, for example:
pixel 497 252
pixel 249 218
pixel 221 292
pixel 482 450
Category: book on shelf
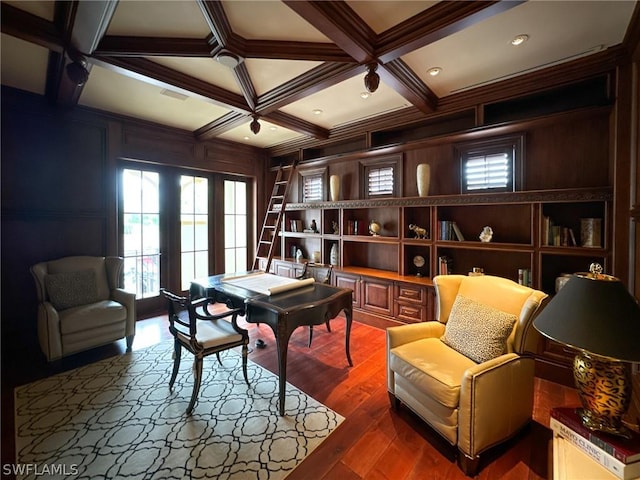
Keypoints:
pixel 627 451
pixel 624 471
pixel 457 231
pixel 444 265
pixel 449 230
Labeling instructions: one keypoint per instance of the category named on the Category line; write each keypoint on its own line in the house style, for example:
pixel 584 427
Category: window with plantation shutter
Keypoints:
pixel 313 185
pixel 312 188
pixel 381 177
pixel 491 165
pixel 380 181
pixel 486 172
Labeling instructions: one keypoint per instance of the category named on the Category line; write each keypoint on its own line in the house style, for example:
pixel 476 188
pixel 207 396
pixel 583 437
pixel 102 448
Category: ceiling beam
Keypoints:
pixel 30 28
pixel 82 25
pixel 297 125
pixel 337 21
pixel 122 46
pixel 403 80
pixel 220 27
pixel 315 80
pixel 285 50
pixel 441 20
pixel 156 74
pixel 243 79
pixel 221 125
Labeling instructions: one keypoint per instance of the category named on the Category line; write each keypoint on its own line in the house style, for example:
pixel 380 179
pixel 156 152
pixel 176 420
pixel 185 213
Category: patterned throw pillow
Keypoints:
pixel 477 331
pixel 71 289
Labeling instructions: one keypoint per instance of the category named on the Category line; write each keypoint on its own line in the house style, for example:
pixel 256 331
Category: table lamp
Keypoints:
pixel 595 314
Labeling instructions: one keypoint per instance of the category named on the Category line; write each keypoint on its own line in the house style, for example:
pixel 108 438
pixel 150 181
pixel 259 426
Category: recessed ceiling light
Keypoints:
pixel 519 39
pixel 434 71
pixel 246 138
pixel 317 111
pixel 273 128
pixel 365 94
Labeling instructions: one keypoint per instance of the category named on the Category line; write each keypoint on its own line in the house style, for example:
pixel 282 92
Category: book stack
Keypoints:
pixel 356 227
pixel 444 265
pixel 557 235
pixel 619 456
pixel 449 230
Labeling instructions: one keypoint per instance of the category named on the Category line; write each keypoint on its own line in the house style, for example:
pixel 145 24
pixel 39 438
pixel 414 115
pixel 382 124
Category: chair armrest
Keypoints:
pixel 402 334
pixel 49 335
pixel 129 301
pixel 496 400
pixel 203 303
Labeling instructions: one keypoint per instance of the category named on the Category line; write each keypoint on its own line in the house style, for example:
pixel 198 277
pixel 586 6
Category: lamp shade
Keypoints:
pixel 594 313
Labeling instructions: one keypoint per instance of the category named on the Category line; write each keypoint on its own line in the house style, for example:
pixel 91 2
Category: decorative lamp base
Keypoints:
pixel 604 387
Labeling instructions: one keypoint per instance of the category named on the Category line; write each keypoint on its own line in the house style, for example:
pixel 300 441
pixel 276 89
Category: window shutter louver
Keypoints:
pixel 380 181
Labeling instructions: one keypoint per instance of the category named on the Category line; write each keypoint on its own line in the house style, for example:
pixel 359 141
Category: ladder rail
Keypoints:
pixel 273 217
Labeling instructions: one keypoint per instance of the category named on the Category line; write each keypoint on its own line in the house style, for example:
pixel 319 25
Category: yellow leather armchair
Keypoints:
pixel 473 404
pixel 81 304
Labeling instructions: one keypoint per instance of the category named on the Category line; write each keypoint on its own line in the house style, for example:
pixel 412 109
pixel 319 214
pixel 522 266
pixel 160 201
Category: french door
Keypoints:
pixel 170 229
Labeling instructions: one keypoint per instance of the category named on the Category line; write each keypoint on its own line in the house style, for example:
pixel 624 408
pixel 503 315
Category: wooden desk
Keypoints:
pixel 283 312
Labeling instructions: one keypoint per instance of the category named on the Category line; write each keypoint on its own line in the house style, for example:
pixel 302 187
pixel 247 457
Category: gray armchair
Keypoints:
pixel 82 304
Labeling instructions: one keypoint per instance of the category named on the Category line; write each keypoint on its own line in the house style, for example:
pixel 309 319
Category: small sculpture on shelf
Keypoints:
pixel 336 227
pixel 486 234
pixel 419 231
pixel 374 228
pixel 313 228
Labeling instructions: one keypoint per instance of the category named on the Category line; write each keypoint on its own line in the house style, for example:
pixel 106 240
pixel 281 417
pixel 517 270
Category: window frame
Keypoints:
pixel 322 173
pixel 512 144
pixel 366 165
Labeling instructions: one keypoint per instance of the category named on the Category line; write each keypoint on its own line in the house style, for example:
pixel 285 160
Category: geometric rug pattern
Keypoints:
pixel 117 419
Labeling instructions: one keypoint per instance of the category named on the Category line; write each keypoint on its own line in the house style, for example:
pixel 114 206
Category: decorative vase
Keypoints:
pixel 334 187
pixel 334 255
pixel 423 177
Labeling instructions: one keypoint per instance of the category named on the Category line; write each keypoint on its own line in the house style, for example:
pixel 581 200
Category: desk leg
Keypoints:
pixel 282 346
pixel 348 313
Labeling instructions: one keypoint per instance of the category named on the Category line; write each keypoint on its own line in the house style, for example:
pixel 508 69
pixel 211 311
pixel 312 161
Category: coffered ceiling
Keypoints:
pixel 301 63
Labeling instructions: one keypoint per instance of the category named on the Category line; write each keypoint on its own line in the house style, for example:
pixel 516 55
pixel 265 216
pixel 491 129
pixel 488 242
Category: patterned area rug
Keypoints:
pixel 117 419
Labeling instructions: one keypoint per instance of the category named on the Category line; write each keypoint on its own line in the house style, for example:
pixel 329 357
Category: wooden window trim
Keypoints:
pixel 394 161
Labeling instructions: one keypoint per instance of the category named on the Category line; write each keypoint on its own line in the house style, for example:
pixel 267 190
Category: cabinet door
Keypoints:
pixel 343 280
pixel 377 295
pixel 284 269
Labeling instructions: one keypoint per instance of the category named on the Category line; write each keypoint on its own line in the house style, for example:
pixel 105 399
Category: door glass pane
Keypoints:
pixel 235 226
pixel 194 227
pixel 141 230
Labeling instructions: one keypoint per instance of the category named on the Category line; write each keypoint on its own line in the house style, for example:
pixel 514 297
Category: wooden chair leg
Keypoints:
pixel 310 334
pixel 197 378
pixel 177 353
pixel 218 356
pixel 328 327
pixel 245 353
pixel 129 342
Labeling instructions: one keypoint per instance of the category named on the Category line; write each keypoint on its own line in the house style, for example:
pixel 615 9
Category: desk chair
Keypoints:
pixel 202 333
pixel 321 272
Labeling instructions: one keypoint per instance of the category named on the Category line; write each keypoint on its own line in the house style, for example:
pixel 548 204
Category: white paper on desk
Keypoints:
pixel 267 283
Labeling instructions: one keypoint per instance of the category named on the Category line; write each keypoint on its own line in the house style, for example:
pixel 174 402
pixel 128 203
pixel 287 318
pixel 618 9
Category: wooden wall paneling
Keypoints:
pixel 445 169
pixel 59 165
pixel 621 151
pixel 29 239
pixel 571 153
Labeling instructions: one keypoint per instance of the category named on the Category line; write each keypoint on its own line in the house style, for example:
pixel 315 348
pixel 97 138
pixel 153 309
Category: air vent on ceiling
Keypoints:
pixel 172 94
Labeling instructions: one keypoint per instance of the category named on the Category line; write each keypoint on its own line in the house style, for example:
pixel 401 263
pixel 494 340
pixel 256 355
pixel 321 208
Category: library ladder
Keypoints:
pixel 273 216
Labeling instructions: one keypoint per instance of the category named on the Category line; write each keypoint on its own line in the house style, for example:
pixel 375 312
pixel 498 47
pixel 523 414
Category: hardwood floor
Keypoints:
pixel 373 442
